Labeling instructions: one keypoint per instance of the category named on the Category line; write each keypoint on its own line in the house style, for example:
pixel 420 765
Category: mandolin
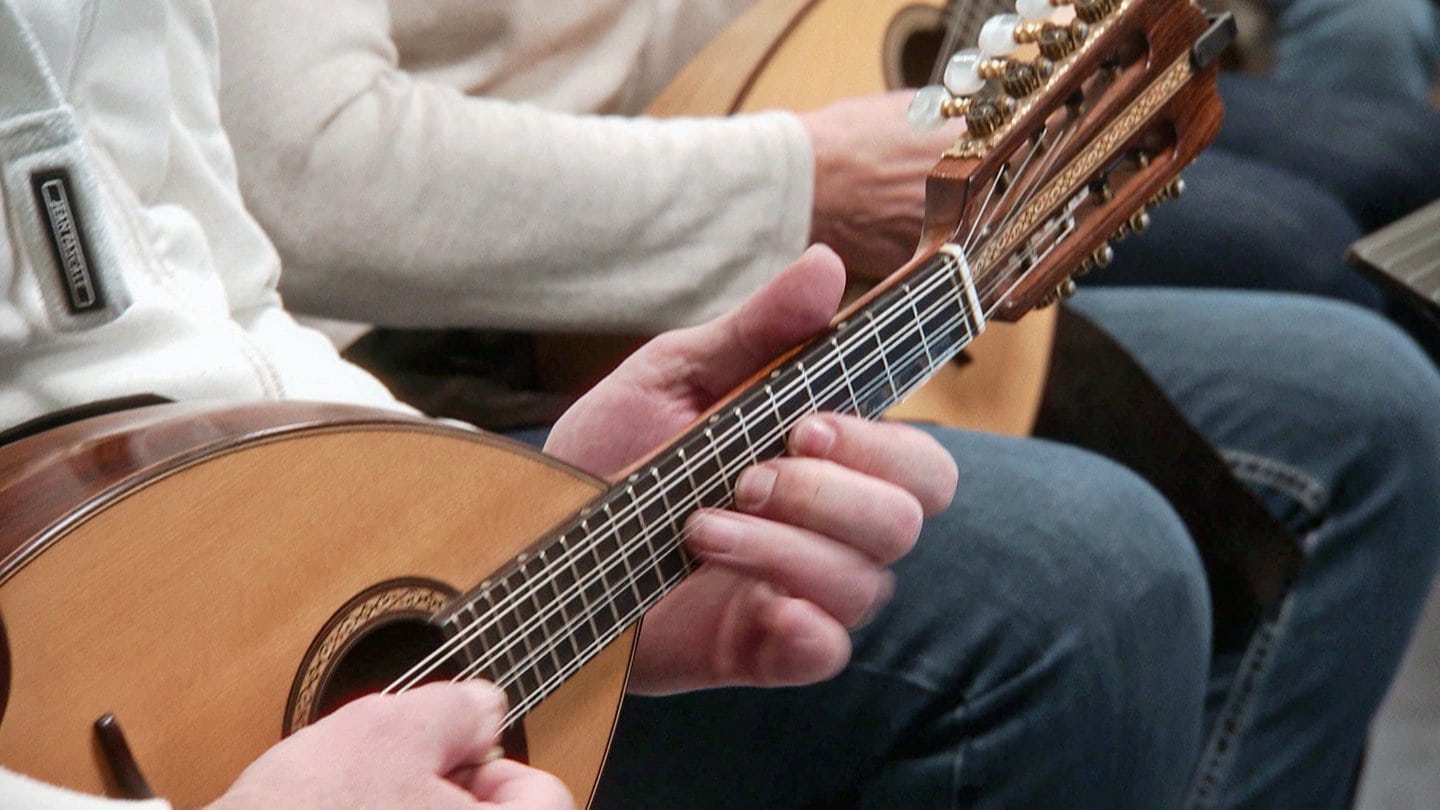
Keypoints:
pixel 182 585
pixel 801 55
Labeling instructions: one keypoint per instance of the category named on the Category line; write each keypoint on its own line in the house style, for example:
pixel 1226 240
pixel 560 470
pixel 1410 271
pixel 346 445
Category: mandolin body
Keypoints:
pixel 177 573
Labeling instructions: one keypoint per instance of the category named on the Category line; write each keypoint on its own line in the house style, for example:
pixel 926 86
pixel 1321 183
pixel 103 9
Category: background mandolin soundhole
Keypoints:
pixel 372 642
pixel 917 34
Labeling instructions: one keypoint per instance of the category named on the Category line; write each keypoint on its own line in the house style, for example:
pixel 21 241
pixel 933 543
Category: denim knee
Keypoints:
pixel 1084 607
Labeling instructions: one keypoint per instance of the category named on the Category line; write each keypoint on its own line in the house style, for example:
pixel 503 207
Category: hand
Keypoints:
pixel 423 748
pixel 870 170
pixel 802 555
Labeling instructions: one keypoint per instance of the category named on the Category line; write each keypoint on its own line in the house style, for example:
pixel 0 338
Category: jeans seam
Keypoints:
pixel 1292 482
pixel 1218 758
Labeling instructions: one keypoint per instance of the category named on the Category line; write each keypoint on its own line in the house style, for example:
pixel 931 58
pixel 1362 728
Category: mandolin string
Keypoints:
pixel 726 439
pixel 952 38
pixel 470 633
pixel 574 663
pixel 969 242
pixel 648 532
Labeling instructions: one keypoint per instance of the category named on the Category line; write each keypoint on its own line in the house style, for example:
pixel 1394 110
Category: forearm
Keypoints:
pixel 403 202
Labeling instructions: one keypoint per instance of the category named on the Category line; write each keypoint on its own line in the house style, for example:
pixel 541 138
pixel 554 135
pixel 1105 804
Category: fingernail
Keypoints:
pixel 714 533
pixel 813 437
pixel 754 488
pixel 497 702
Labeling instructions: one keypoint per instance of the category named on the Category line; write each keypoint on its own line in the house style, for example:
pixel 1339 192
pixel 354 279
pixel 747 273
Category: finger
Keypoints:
pixel 447 725
pixel 717 356
pixel 801 644
pixel 893 451
pixel 507 783
pixel 872 515
pixel 840 580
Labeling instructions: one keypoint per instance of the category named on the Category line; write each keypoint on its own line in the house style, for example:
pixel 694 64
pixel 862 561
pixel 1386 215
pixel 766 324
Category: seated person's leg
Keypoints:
pixel 1246 224
pixel 1376 47
pixel 1377 156
pixel 1330 414
pixel 1046 647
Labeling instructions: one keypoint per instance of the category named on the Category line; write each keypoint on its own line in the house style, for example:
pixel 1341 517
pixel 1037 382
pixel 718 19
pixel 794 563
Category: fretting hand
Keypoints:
pixel 803 555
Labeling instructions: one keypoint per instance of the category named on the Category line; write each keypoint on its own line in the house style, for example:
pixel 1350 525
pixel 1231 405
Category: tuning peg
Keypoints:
pixel 1100 187
pixel 1059 41
pixel 1023 78
pixel 1139 222
pixel 987 115
pixel 1175 188
pixel 1093 11
pixel 932 106
pixel 1103 256
pixel 1066 289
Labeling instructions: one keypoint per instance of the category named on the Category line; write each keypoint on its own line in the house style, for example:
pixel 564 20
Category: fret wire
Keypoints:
pixel 918 379
pixel 781 422
pixel 658 553
pixel 629 574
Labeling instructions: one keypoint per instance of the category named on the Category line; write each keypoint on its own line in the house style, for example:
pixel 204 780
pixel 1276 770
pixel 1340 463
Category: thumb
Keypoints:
pixel 791 307
pixel 460 722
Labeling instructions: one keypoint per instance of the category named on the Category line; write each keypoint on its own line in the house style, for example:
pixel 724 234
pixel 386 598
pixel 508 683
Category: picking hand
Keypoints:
pixel 803 555
pixel 424 748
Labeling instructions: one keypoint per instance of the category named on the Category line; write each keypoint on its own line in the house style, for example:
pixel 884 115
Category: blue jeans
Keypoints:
pixel 1294 177
pixel 1048 643
pixel 1374 47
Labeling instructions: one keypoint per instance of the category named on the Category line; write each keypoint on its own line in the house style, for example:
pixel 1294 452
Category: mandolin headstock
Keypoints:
pixel 1077 122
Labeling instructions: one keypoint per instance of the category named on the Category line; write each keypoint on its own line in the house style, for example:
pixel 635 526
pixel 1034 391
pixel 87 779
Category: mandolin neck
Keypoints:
pixel 552 609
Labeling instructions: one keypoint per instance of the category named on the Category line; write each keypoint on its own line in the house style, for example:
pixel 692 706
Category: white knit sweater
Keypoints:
pixel 418 163
pixel 122 95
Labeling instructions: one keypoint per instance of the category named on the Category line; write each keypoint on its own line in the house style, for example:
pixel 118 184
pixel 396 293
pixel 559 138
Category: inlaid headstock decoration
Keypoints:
pixel 1079 116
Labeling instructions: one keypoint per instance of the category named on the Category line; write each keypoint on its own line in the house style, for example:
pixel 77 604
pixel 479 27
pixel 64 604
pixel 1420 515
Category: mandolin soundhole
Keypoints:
pixel 369 644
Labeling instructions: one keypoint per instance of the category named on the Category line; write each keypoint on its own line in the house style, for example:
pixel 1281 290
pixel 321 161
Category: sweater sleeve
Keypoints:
pixel 407 203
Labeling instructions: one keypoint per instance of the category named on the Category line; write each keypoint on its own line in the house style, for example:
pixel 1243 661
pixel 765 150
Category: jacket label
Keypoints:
pixel 55 197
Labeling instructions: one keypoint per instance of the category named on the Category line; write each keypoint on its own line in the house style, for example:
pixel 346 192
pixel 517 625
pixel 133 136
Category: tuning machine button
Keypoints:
pixel 962 73
pixel 932 106
pixel 1002 34
pixel 1038 9
pixel 1139 222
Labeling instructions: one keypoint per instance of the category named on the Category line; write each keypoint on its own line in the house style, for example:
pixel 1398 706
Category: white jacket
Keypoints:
pixel 121 96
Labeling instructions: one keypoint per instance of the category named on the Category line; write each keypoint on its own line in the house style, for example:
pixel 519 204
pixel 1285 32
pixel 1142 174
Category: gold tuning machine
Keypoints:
pixel 1093 11
pixel 986 115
